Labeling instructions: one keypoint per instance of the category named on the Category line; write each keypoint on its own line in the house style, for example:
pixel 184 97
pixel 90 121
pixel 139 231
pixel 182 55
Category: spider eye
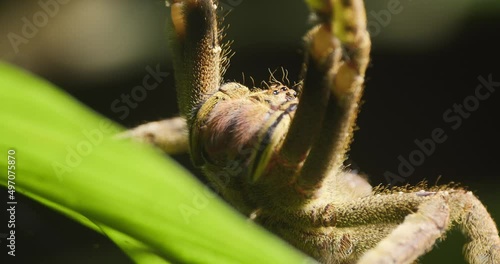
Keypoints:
pixel 275 92
pixel 284 88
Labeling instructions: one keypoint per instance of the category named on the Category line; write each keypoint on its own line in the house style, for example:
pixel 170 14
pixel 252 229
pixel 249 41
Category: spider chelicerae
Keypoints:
pixel 276 153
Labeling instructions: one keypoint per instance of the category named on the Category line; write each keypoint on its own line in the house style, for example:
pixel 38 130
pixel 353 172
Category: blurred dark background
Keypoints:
pixel 426 57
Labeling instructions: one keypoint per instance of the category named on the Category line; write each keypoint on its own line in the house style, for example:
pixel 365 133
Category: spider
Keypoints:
pixel 276 153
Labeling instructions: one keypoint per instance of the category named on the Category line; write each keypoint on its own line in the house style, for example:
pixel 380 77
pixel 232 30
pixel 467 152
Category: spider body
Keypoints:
pixel 277 156
pixel 232 128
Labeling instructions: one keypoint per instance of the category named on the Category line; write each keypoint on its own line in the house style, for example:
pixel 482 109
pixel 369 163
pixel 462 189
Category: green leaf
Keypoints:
pixel 68 159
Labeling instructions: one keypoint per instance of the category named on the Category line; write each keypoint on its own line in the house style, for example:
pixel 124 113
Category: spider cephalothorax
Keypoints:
pixel 278 157
pixel 233 128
